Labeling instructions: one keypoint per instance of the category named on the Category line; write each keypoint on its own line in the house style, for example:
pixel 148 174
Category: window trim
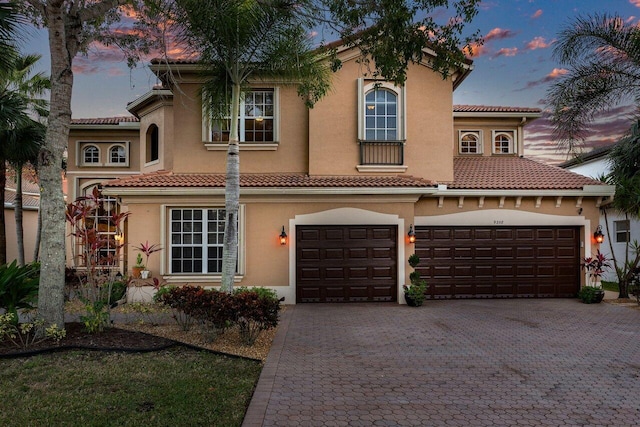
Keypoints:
pixel 366 86
pixel 480 145
pixel 83 155
pixel 125 146
pixel 626 232
pixel 248 146
pixel 165 261
pixel 511 134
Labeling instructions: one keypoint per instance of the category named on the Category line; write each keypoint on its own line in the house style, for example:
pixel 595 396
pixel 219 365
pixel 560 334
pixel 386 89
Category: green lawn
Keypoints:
pixel 610 286
pixel 174 387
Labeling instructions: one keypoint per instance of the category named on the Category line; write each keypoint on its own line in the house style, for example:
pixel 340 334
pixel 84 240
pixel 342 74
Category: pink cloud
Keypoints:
pixel 636 3
pixel 537 15
pixel 506 51
pixel 537 43
pixel 556 73
pixel 499 34
pixel 477 49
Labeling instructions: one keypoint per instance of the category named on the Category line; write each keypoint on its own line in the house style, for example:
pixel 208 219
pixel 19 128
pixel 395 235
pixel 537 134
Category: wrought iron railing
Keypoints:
pixel 381 152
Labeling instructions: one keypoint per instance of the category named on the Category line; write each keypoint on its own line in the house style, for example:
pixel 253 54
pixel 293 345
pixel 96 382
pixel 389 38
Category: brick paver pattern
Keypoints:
pixel 453 363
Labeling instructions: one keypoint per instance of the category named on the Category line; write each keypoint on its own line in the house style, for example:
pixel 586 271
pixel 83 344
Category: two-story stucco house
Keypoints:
pixel 347 182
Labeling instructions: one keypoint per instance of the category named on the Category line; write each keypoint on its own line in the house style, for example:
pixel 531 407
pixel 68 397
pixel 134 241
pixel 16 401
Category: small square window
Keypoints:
pixel 91 154
pixel 470 142
pixel 623 231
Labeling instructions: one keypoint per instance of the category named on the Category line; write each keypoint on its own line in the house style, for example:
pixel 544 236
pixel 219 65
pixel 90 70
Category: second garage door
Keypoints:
pixel 495 262
pixel 339 263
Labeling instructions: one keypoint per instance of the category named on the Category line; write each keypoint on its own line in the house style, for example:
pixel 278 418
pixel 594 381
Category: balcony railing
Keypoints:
pixel 381 152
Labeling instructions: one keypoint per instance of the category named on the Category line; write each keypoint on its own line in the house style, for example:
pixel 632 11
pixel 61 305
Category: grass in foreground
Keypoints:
pixel 177 387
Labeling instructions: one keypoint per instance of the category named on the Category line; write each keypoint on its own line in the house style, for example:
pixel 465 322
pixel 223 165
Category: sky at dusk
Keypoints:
pixel 513 68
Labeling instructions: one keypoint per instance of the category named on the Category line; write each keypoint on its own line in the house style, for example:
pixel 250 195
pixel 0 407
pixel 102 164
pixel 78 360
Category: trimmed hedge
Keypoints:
pixel 252 310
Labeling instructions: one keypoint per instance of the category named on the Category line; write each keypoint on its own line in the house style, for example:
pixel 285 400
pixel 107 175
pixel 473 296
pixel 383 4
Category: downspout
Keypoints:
pixel 521 136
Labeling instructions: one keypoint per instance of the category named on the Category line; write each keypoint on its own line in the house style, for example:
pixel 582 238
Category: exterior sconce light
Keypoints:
pixel 598 235
pixel 283 237
pixel 119 237
pixel 411 234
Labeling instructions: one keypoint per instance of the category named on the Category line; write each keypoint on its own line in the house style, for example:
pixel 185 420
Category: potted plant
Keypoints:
pixel 147 249
pixel 595 267
pixel 415 293
pixel 137 269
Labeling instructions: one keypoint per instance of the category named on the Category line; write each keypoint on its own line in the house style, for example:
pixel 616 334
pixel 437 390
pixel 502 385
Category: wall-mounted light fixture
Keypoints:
pixel 119 237
pixel 598 235
pixel 411 234
pixel 283 237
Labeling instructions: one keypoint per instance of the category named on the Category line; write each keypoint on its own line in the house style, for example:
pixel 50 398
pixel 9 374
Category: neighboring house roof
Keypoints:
pixel 513 173
pixel 594 154
pixel 30 193
pixel 105 120
pixel 493 109
pixel 169 179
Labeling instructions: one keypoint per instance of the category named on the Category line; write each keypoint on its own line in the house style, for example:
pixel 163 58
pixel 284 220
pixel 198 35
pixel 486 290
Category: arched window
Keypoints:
pixel 152 144
pixel 503 142
pixel 117 154
pixel 470 142
pixel 381 115
pixel 91 154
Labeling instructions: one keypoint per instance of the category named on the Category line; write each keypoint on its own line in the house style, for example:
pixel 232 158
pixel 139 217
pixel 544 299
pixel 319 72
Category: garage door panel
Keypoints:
pixel 346 263
pixel 462 234
pixel 504 262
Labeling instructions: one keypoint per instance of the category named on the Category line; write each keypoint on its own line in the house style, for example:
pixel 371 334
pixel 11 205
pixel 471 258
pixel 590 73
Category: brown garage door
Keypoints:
pixel 499 262
pixel 336 263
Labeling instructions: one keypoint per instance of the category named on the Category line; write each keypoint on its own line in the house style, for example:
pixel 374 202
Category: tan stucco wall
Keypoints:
pixel 29 228
pixel 333 125
pixel 162 117
pixel 189 153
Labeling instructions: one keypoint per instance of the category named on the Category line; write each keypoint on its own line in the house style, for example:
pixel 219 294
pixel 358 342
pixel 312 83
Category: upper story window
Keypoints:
pixel 91 154
pixel 381 115
pixel 380 111
pixel 257 120
pixel 470 142
pixel 152 152
pixel 623 231
pixel 503 142
pixel 118 155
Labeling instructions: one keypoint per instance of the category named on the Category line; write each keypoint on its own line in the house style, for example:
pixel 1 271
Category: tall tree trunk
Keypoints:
pixel 232 197
pixel 3 232
pixel 17 210
pixel 63 47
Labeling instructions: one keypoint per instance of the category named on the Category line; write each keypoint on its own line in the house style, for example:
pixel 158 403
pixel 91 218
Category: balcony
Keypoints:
pixel 381 153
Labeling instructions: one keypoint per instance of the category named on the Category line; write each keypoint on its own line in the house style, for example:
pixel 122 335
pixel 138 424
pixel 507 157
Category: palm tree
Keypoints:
pixel 603 56
pixel 9 22
pixel 23 145
pixel 238 40
pixel 20 92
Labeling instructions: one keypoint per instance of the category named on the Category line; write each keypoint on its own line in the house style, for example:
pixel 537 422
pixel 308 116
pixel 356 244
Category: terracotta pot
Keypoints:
pixel 135 272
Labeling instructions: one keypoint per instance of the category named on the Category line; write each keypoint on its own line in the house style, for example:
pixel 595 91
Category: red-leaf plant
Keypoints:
pixel 96 270
pixel 147 249
pixel 596 266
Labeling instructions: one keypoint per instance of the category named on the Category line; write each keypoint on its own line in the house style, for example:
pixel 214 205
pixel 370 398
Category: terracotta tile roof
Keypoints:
pixel 170 179
pixel 493 109
pixel 28 201
pixel 105 120
pixel 513 173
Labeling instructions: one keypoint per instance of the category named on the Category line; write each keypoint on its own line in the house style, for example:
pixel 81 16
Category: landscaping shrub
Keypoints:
pixel 18 287
pixel 253 310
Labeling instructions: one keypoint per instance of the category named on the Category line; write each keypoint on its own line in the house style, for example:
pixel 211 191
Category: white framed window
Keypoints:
pixel 257 121
pixel 470 141
pixel 118 155
pixel 196 239
pixel 90 155
pixel 622 230
pixel 381 107
pixel 503 141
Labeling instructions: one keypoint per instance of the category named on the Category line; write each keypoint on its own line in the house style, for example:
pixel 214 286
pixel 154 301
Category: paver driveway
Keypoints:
pixel 453 363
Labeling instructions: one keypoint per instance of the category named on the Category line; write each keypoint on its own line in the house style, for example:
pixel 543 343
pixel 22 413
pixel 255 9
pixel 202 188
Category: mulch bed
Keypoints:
pixel 111 339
